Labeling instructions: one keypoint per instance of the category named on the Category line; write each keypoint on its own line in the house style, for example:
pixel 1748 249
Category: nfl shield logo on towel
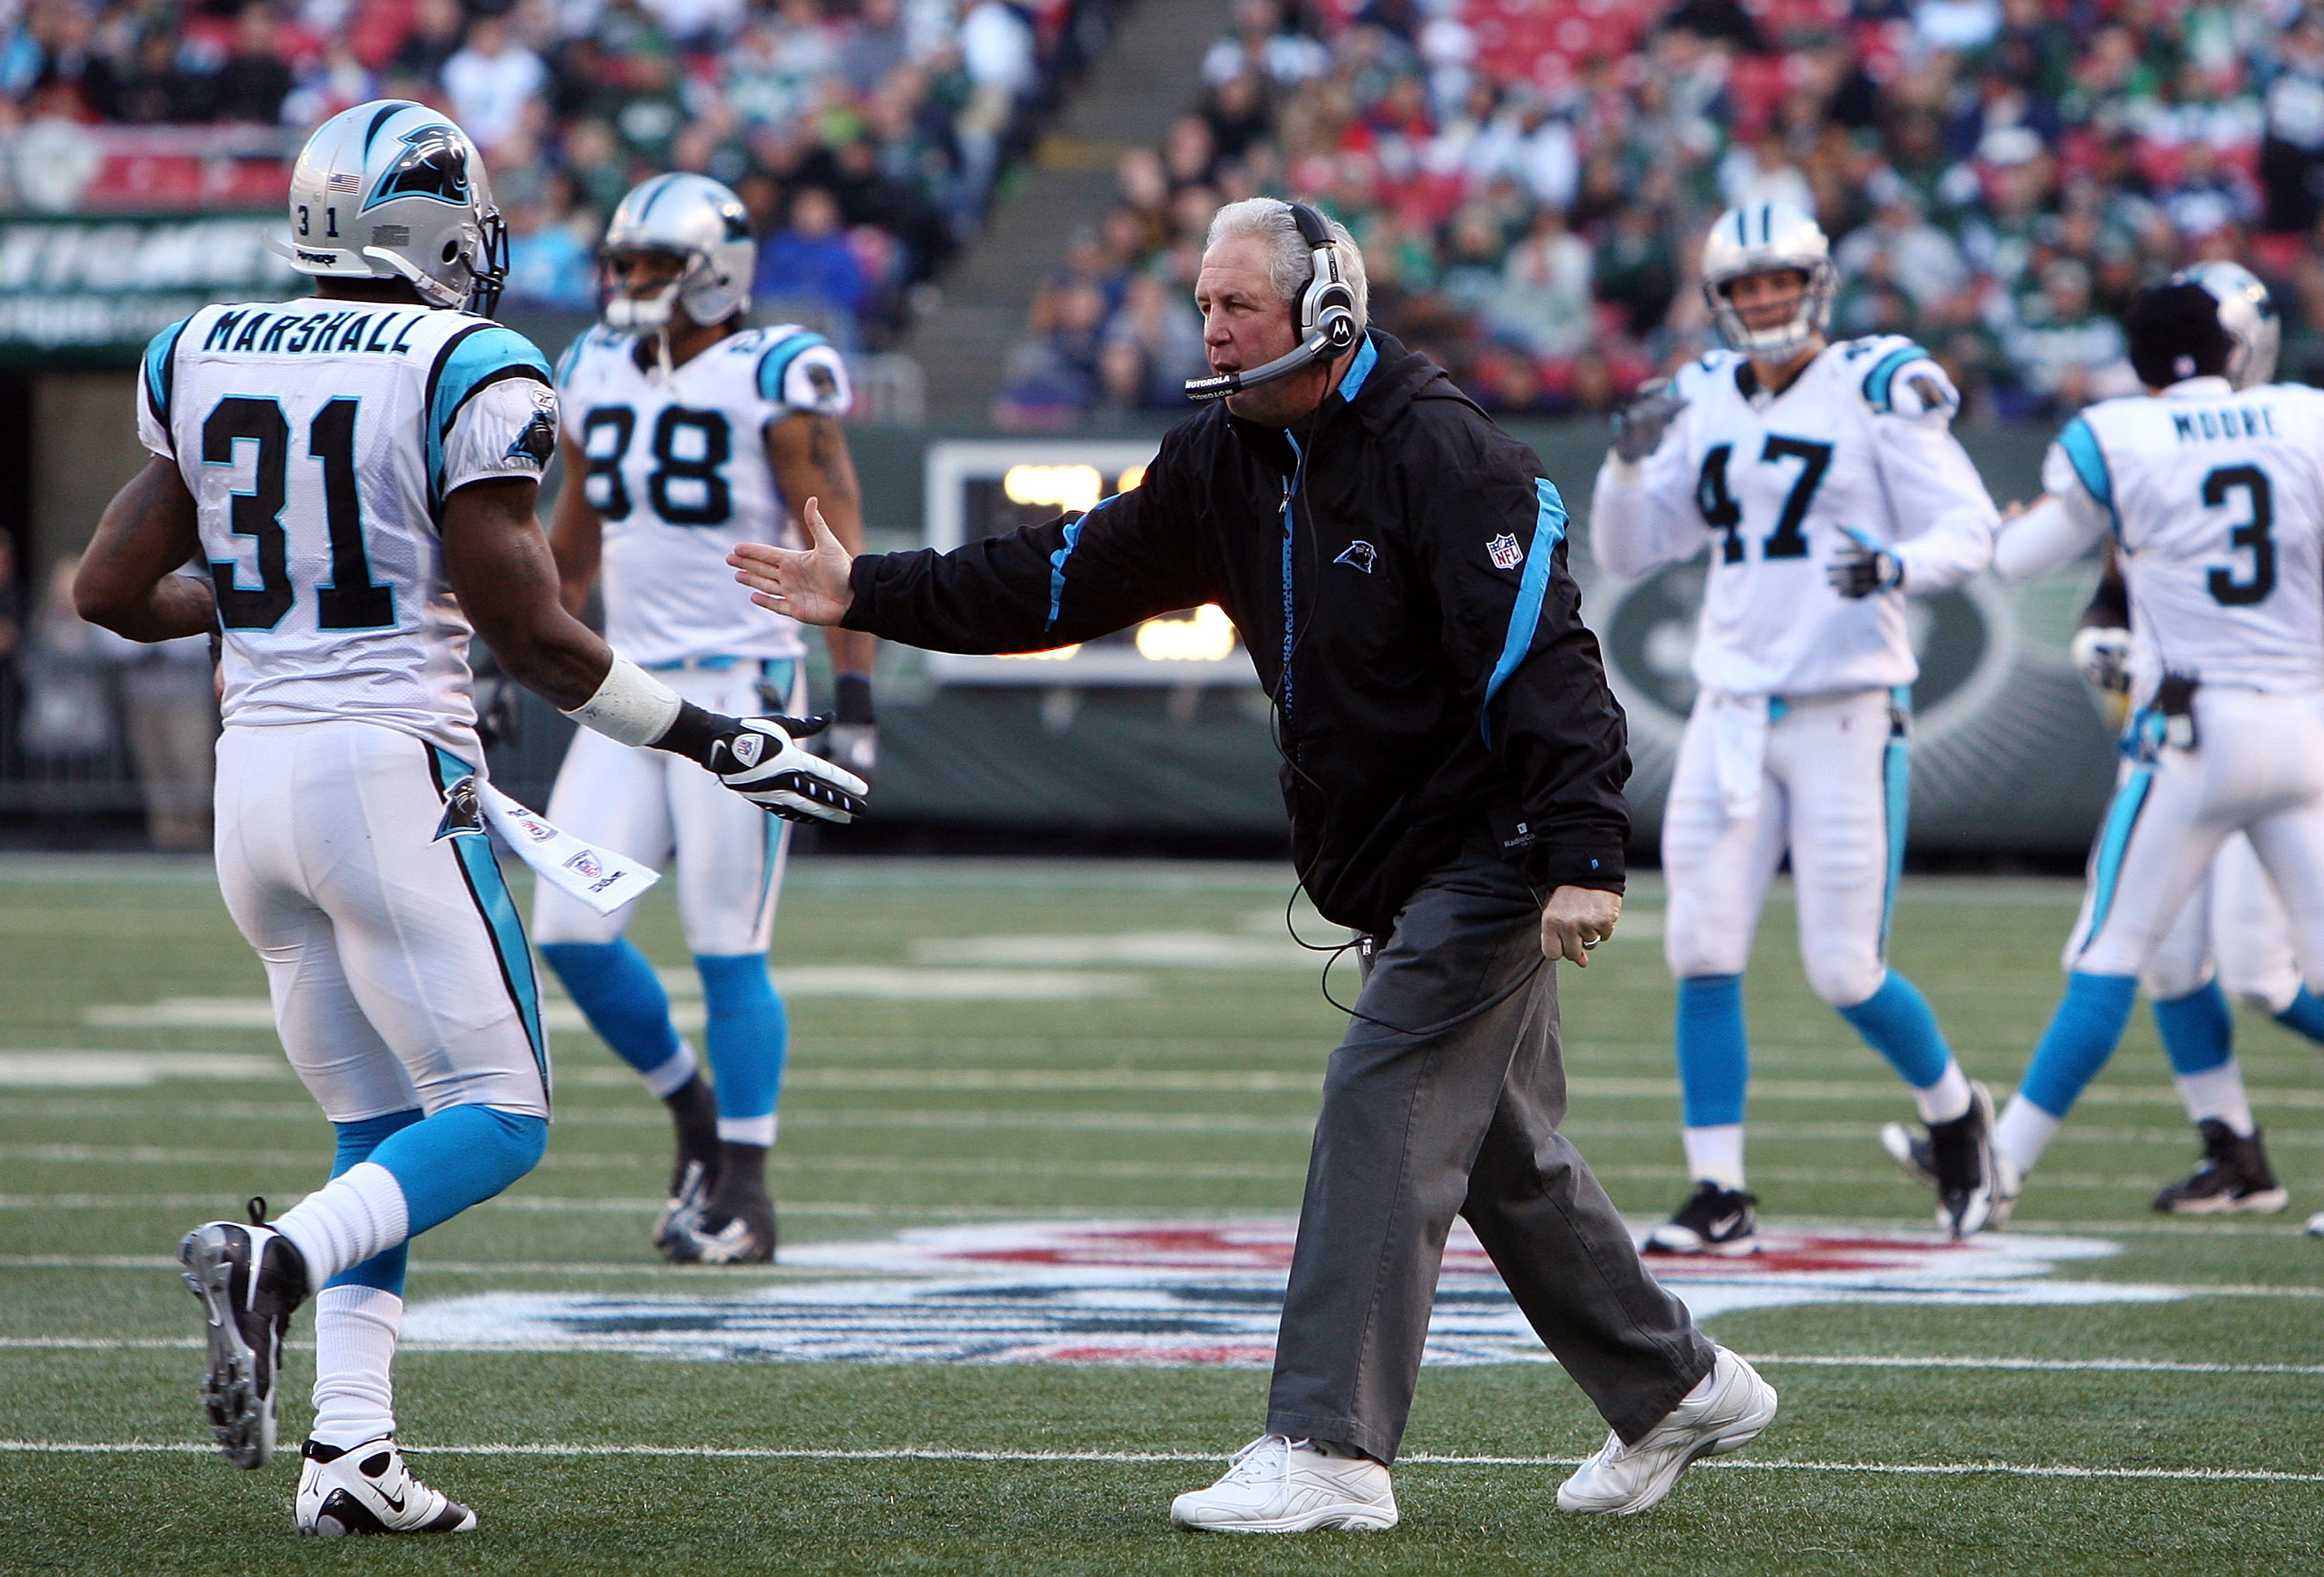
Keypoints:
pixel 1505 551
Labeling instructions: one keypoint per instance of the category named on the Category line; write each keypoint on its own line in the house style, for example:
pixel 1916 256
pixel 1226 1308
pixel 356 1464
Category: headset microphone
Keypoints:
pixel 1327 316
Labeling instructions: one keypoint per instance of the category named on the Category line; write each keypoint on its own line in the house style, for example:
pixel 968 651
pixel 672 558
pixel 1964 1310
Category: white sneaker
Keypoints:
pixel 1627 1479
pixel 1278 1485
pixel 366 1489
pixel 2316 1224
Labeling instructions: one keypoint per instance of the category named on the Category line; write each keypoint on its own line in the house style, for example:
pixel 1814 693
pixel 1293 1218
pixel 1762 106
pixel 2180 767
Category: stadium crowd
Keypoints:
pixel 865 135
pixel 1531 179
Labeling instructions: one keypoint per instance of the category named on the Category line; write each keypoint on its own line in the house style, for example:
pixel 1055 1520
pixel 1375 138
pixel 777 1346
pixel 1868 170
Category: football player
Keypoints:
pixel 686 433
pixel 353 477
pixel 2211 491
pixel 1828 486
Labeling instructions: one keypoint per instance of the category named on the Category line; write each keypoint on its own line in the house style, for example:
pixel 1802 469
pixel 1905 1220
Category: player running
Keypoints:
pixel 2211 488
pixel 1830 486
pixel 691 433
pixel 356 472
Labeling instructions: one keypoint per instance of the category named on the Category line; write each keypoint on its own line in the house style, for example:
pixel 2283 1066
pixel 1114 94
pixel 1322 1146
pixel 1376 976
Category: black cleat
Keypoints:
pixel 734 1226
pixel 2233 1178
pixel 1966 1170
pixel 1915 1155
pixel 689 1191
pixel 1714 1221
pixel 249 1279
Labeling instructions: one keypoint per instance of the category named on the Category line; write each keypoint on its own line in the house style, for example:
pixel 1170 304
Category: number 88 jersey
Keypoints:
pixel 677 469
pixel 319 439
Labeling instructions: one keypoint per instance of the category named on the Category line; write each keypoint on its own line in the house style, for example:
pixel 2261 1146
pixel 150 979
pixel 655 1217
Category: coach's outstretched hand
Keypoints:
pixel 1574 920
pixel 808 584
pixel 760 759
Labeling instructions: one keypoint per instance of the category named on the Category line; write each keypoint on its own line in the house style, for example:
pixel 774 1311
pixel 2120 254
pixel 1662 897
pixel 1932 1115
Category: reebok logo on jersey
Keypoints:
pixel 1505 552
pixel 1359 556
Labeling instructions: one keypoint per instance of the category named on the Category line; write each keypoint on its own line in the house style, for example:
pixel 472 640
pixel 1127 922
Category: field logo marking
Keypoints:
pixel 1200 1293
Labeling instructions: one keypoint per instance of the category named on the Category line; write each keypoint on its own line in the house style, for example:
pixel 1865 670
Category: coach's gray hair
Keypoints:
pixel 1287 267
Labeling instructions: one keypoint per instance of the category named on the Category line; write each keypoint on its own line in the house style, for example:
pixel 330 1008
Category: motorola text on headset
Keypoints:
pixel 1327 316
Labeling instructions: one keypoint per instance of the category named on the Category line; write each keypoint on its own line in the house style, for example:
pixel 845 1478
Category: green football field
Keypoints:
pixel 1015 1049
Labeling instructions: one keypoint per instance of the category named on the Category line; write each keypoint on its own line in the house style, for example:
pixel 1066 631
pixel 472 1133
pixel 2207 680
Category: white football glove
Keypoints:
pixel 760 760
pixel 2103 656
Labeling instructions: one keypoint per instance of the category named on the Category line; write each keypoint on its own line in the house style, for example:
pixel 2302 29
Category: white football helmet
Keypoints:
pixel 2248 312
pixel 688 217
pixel 393 191
pixel 1766 238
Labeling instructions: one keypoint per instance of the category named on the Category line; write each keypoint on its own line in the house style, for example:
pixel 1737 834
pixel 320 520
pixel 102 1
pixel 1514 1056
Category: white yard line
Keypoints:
pixel 1814 1361
pixel 1135 1458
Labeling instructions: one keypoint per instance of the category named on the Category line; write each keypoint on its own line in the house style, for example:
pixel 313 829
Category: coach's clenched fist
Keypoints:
pixel 1576 919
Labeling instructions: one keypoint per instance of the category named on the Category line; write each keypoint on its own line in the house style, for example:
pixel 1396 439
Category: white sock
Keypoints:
pixel 2023 1133
pixel 355 1329
pixel 2217 1093
pixel 669 1078
pixel 1946 1099
pixel 356 1214
pixel 748 1130
pixel 1715 1153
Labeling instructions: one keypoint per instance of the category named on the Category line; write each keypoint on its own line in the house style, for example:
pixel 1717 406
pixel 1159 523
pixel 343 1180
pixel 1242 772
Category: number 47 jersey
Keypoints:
pixel 677 472
pixel 1858 446
pixel 319 439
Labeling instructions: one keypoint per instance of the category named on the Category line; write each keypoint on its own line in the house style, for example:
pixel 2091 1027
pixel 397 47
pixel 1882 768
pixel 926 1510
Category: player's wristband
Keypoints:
pixel 851 699
pixel 630 707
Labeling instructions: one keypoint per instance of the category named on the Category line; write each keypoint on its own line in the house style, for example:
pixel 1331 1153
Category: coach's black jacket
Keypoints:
pixel 1440 677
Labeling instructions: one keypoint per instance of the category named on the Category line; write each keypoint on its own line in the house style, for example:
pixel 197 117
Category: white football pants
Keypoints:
pixel 2257 767
pixel 2236 923
pixel 397 963
pixel 1833 796
pixel 647 803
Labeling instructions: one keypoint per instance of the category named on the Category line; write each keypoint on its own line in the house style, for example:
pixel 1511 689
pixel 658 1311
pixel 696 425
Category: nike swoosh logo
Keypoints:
pixel 395 1502
pixel 1720 1228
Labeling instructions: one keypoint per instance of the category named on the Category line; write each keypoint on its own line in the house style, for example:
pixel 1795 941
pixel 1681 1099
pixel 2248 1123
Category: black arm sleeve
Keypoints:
pixel 1531 669
pixel 2109 606
pixel 1072 578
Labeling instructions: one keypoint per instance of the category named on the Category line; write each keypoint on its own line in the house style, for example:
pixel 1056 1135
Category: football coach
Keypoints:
pixel 1453 763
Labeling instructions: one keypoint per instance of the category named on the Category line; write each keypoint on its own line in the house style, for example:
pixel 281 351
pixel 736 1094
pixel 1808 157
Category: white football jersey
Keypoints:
pixel 1860 442
pixel 676 469
pixel 319 439
pixel 2216 501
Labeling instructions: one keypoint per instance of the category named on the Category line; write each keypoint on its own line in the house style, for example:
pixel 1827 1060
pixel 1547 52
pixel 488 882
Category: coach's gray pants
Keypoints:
pixel 1460 1120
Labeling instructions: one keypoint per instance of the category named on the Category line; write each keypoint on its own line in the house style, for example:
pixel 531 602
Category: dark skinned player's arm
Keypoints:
pixel 127 581
pixel 809 455
pixel 500 565
pixel 576 534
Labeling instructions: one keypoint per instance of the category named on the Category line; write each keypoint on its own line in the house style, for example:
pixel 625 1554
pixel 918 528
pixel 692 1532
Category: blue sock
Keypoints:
pixel 1714 1051
pixel 2305 1015
pixel 462 1156
pixel 1895 1021
pixel 357 1141
pixel 2082 1034
pixel 619 993
pixel 2198 1033
pixel 747 1035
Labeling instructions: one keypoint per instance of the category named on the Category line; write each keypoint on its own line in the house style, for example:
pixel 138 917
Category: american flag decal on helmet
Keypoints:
pixel 344 185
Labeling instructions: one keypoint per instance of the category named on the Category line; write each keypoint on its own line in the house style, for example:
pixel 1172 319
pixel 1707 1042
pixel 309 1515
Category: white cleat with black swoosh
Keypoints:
pixel 367 1489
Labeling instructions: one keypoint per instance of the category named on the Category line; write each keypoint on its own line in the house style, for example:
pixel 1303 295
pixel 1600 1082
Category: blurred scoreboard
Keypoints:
pixel 988 488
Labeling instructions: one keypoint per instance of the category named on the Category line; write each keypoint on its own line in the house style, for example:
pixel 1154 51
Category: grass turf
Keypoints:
pixel 1191 1096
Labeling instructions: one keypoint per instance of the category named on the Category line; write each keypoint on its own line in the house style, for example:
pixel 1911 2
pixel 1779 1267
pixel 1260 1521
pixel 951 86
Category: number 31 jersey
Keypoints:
pixel 1859 442
pixel 319 439
pixel 2217 499
pixel 676 469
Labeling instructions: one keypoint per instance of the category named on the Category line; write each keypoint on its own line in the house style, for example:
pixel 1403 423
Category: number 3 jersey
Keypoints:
pixel 677 469
pixel 2217 499
pixel 319 439
pixel 1860 441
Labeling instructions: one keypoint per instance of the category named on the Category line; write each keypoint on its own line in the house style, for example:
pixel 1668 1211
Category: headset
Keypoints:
pixel 1328 323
